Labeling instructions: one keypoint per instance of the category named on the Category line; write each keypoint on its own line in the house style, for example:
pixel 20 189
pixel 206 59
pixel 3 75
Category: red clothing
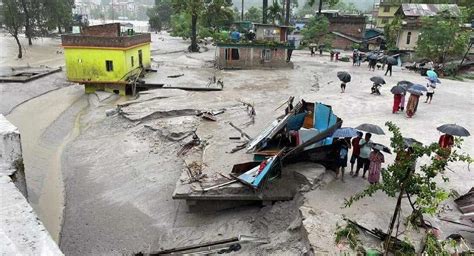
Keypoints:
pixel 397 99
pixel 356 146
pixel 446 141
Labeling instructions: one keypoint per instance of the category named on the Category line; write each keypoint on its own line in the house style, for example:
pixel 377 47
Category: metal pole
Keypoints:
pixel 242 14
pixel 264 9
pixel 287 15
pixel 320 6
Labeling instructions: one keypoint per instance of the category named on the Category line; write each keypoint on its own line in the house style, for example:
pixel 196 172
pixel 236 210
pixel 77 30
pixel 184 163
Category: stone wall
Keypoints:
pixel 21 232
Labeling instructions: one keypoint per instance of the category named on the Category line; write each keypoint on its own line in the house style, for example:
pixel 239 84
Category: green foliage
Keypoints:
pixel 14 21
pixel 217 14
pixel 160 15
pixel 435 247
pixel 181 25
pixel 391 32
pixel 355 46
pixel 274 12
pixel 349 234
pixel 441 38
pixel 316 31
pixel 450 70
pixel 253 14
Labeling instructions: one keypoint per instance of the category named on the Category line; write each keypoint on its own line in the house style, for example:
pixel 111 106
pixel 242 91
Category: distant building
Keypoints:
pixel 104 58
pixel 269 49
pixel 411 15
pixel 347 30
pixel 386 11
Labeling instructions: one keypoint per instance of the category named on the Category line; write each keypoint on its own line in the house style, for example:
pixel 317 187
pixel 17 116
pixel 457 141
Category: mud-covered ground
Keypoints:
pixel 120 172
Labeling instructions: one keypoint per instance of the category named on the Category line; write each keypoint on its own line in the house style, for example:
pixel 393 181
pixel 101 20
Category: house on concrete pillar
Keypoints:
pixel 268 47
pixel 103 57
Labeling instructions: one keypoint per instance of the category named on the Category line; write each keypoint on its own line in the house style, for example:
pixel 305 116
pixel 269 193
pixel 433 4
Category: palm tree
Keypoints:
pixel 274 11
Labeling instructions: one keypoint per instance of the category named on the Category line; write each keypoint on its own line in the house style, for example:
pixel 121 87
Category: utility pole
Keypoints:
pixel 287 15
pixel 242 14
pixel 265 8
pixel 320 6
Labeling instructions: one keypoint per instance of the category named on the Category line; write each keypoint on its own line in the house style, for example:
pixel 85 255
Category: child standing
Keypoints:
pixel 342 159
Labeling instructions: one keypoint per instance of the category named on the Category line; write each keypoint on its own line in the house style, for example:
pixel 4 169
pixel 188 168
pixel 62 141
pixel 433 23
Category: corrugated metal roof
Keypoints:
pixel 429 9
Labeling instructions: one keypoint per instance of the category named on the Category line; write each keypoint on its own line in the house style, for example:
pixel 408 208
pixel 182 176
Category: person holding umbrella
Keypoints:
pixel 363 161
pixel 446 141
pixel 430 90
pixel 345 78
pixel 398 92
pixel 390 62
pixel 415 92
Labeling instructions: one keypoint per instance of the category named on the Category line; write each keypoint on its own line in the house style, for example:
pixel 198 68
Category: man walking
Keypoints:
pixel 363 161
pixel 355 151
pixel 389 68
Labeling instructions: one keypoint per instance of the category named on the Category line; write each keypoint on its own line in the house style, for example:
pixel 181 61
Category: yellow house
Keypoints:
pixel 103 58
pixel 386 12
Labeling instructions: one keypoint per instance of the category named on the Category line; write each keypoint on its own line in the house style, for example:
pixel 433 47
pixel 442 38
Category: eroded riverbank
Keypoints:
pixel 47 123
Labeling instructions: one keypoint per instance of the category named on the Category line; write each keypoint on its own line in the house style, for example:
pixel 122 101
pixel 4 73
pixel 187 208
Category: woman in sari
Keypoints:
pixel 397 99
pixel 376 159
pixel 412 104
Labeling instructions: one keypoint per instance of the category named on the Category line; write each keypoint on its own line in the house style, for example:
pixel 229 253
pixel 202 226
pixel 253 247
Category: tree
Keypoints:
pixel 400 178
pixel 160 15
pixel 217 14
pixel 14 21
pixel 316 31
pixel 253 14
pixel 321 2
pixel 441 38
pixel 274 12
pixel 194 8
pixel 26 13
pixel 391 31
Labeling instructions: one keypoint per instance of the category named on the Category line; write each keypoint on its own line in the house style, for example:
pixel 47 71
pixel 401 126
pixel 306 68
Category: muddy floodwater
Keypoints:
pixel 47 123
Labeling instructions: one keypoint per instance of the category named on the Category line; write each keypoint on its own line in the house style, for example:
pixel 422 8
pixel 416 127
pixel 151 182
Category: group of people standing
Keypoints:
pixel 370 159
pixel 363 157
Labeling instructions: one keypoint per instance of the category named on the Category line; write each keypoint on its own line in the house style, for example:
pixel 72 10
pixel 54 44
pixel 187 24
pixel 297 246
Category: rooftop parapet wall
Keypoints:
pixel 108 30
pixel 347 19
pixel 77 40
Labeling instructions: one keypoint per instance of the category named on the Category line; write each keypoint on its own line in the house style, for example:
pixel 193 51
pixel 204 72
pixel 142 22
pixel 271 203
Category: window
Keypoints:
pixel 232 54
pixel 384 21
pixel 131 60
pixel 386 9
pixel 109 65
pixel 408 37
pixel 267 55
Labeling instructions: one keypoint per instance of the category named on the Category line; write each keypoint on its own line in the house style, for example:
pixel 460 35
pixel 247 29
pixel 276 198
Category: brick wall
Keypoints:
pixel 341 43
pixel 106 30
pixel 100 41
pixel 250 58
pixel 351 26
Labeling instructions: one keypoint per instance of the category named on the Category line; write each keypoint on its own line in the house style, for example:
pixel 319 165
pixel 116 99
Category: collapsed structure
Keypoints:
pixel 103 57
pixel 302 134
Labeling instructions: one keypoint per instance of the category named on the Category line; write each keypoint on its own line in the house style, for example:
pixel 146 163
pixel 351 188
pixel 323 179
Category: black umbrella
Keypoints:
pixel 410 141
pixel 405 84
pixel 380 147
pixel 372 56
pixel 397 89
pixel 453 129
pixel 372 128
pixel 392 61
pixel 414 91
pixel 344 76
pixel 377 80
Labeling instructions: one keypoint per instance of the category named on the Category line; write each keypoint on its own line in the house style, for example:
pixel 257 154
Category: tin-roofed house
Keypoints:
pixel 411 15
pixel 103 57
pixel 264 46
